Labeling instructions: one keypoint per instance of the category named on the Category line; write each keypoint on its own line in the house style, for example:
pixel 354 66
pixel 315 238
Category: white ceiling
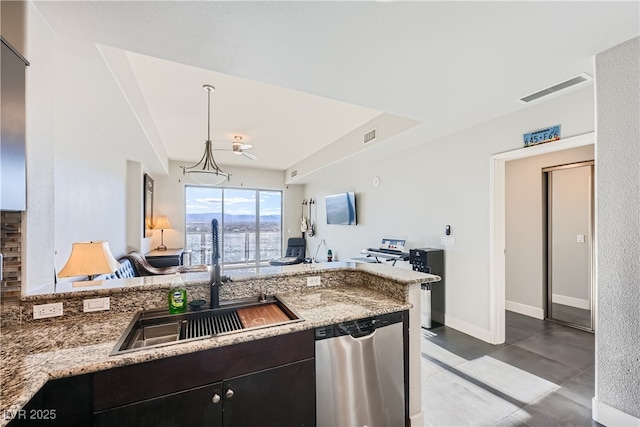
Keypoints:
pixel 283 125
pixel 293 77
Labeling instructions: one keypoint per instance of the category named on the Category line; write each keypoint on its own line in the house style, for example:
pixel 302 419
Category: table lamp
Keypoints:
pixel 162 223
pixel 89 259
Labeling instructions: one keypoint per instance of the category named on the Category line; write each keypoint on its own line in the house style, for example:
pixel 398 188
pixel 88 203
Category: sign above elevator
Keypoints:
pixel 541 136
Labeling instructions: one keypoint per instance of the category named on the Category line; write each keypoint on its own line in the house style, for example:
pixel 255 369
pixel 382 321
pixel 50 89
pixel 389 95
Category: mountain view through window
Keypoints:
pixel 249 224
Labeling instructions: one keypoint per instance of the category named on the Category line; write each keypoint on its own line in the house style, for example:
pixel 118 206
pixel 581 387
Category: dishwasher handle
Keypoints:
pixel 363 335
pixel 358 329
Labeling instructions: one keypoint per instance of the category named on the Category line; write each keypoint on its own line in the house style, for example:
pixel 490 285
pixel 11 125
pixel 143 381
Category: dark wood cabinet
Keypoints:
pixel 265 382
pixel 64 402
pixel 13 194
pixel 278 397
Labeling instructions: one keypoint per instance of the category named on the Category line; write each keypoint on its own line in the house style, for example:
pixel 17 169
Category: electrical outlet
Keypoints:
pixel 95 304
pixel 47 310
pixel 313 281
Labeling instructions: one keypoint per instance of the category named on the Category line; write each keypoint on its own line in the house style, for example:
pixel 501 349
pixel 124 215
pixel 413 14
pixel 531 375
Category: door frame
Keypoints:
pixel 547 259
pixel 497 231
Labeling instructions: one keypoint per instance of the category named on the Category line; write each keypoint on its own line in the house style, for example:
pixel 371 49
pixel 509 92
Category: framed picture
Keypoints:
pixel 147 218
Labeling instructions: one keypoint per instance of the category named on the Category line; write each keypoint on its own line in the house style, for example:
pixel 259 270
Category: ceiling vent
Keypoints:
pixel 370 135
pixel 294 173
pixel 574 81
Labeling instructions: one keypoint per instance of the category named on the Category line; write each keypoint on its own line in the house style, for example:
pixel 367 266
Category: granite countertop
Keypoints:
pixel 108 287
pixel 34 353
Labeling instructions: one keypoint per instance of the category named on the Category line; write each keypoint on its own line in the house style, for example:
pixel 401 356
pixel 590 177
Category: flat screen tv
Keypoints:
pixel 341 208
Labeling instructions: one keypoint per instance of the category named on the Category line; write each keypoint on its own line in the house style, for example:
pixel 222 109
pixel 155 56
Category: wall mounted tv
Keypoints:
pixel 341 208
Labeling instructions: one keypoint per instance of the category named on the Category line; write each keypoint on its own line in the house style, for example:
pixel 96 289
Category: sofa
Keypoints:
pixel 135 264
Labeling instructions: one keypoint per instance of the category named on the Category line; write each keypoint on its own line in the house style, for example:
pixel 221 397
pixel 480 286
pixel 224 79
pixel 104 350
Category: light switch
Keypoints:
pixel 580 238
pixel 96 304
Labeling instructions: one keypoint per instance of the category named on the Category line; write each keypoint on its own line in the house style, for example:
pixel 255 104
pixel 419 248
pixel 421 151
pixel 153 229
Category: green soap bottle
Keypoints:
pixel 177 295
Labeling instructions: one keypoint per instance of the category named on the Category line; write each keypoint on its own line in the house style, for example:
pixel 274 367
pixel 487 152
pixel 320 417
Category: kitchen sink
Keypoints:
pixel 155 328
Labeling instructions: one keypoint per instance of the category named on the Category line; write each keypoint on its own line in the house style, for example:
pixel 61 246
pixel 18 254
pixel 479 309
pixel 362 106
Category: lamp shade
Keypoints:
pixel 161 223
pixel 88 259
pixel 207 177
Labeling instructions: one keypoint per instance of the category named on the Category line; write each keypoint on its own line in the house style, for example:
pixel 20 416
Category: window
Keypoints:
pixel 250 224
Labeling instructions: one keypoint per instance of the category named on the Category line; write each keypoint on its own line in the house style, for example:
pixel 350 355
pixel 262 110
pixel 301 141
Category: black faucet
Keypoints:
pixel 216 280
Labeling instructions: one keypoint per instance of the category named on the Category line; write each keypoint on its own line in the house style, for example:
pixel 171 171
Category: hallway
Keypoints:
pixel 543 375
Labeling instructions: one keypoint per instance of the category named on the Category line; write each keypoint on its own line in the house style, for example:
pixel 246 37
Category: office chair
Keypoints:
pixel 296 249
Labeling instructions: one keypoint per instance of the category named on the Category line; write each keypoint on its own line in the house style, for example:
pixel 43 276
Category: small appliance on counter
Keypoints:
pixel 430 260
pixel 391 250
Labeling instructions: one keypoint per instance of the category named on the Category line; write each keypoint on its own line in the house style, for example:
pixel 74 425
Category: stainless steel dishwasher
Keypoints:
pixel 362 372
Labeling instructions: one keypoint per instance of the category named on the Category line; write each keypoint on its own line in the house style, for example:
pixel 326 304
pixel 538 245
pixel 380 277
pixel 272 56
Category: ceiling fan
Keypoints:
pixel 239 148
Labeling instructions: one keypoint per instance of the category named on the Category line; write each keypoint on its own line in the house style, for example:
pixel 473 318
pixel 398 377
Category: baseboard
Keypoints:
pixel 571 301
pixel 527 310
pixel 610 416
pixel 468 328
pixel 417 419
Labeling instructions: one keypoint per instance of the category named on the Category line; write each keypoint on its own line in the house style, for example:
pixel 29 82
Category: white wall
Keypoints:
pixel 169 199
pixel 438 183
pixel 617 400
pixel 90 186
pixel 40 147
pixel 76 177
pixel 524 281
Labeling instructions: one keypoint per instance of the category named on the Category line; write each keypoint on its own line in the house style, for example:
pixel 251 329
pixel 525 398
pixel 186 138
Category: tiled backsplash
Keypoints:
pixel 11 249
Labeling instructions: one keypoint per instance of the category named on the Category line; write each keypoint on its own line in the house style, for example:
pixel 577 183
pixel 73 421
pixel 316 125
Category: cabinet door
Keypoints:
pixel 63 402
pixel 200 406
pixel 12 136
pixel 279 397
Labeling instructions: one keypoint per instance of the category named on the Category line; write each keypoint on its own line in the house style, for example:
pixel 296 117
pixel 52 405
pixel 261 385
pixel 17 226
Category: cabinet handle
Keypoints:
pixel 229 393
pixel 216 398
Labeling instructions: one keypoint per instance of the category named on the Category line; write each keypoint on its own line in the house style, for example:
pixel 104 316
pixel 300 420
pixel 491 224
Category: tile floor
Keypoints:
pixel 543 375
pixel 569 314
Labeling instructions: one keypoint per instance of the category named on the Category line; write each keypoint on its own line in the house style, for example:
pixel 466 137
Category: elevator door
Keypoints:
pixel 569 244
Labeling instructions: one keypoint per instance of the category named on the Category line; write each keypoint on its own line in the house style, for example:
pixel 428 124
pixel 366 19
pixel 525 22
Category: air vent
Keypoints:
pixel 581 78
pixel 294 173
pixel 370 135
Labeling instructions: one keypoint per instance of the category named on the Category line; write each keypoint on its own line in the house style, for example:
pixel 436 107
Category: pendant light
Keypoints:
pixel 206 171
